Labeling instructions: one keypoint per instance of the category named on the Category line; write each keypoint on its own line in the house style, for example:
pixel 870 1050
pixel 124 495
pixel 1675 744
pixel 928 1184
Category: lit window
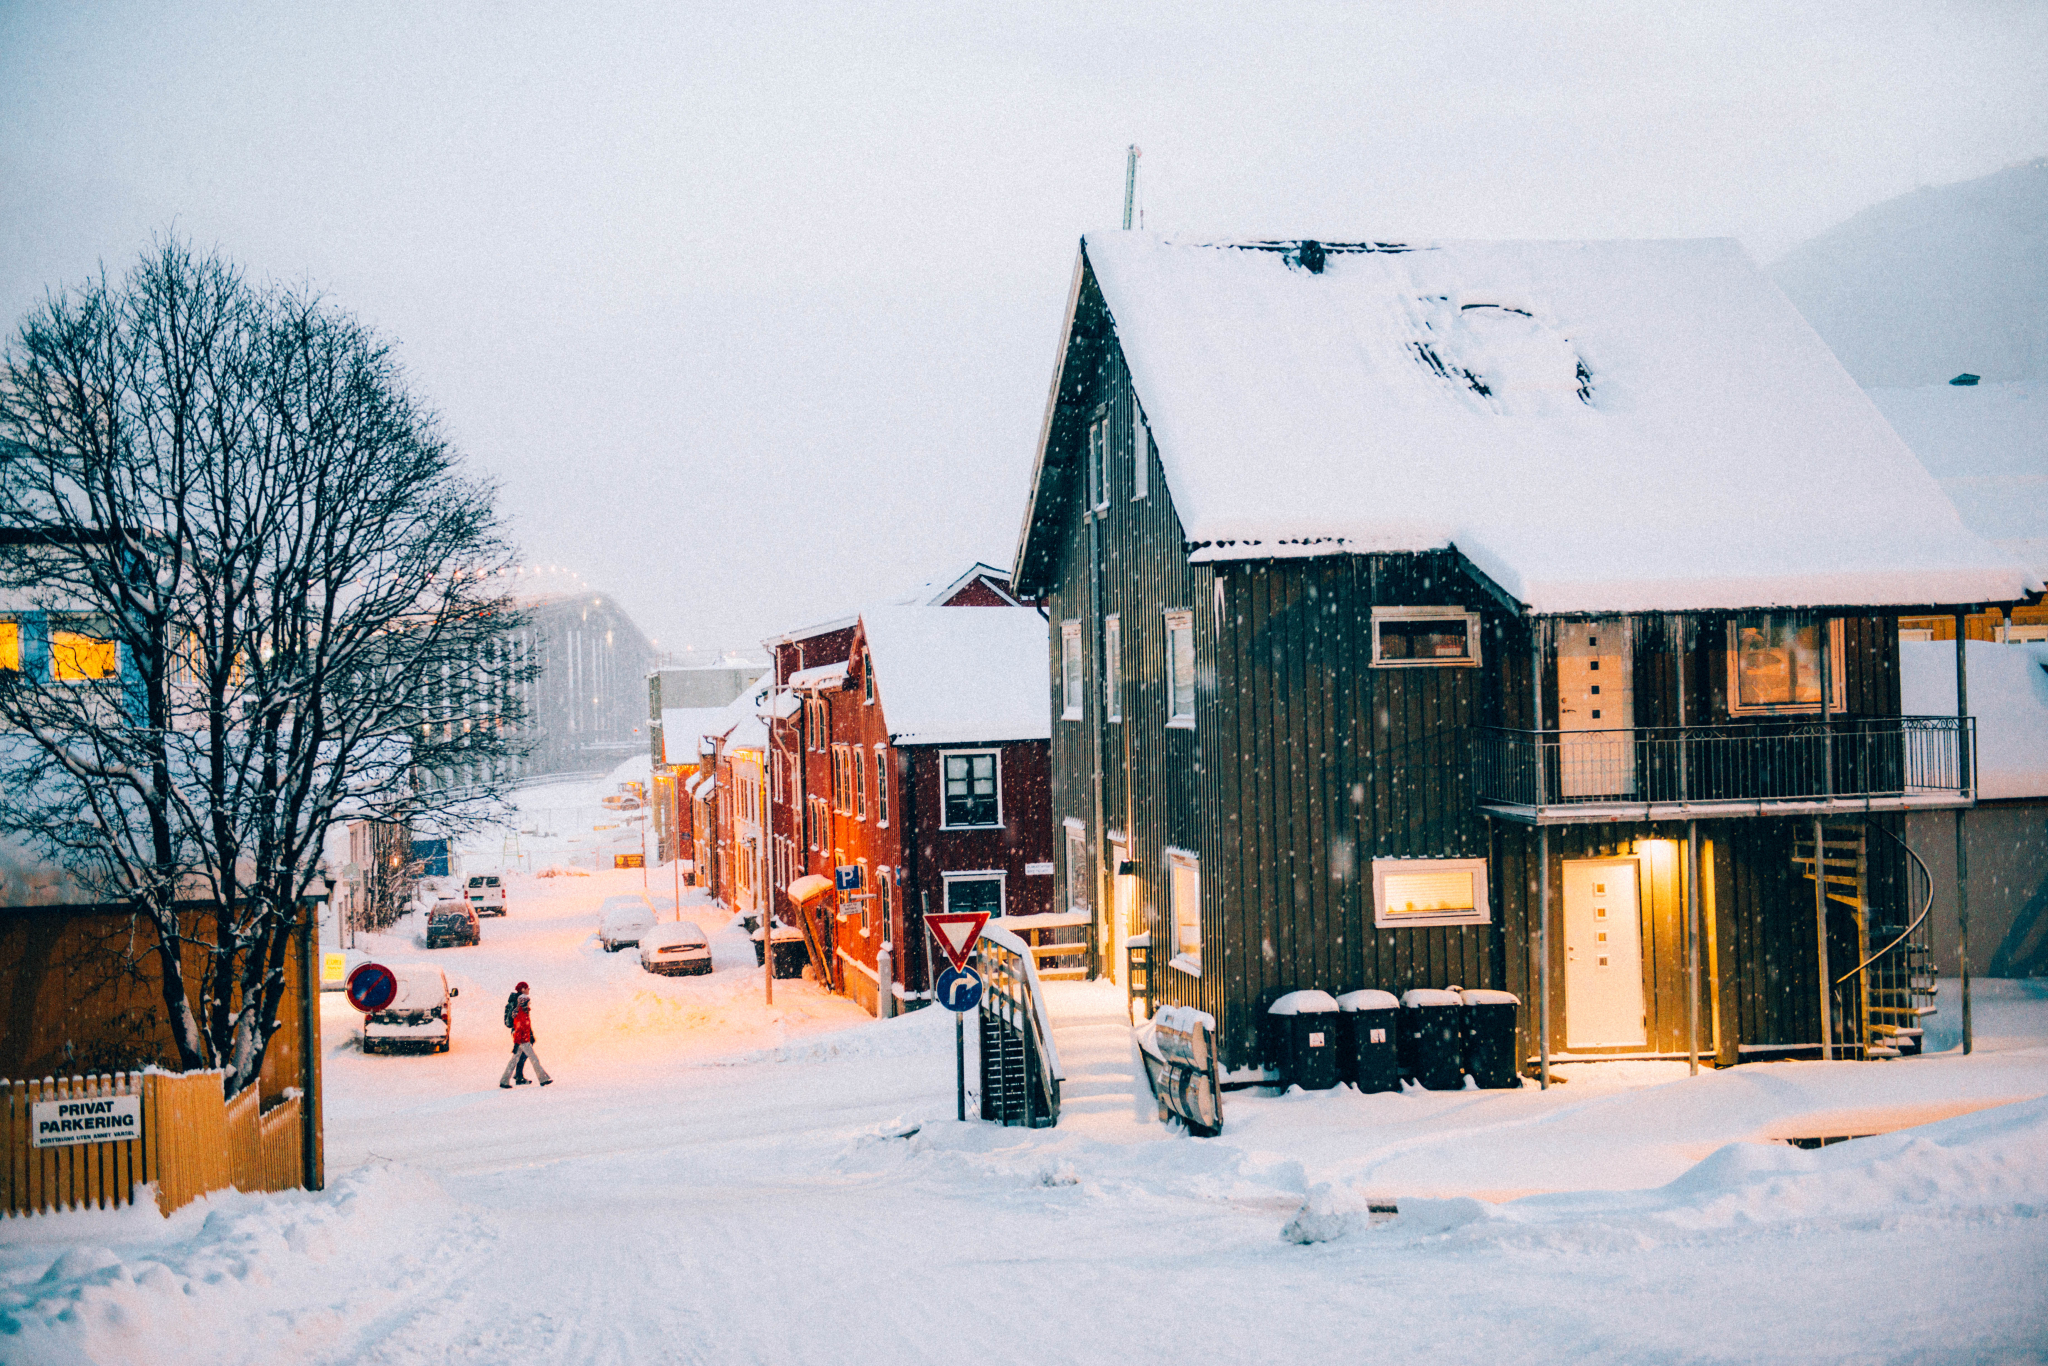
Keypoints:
pixel 1184 909
pixel 10 646
pixel 1406 637
pixel 973 789
pixel 76 658
pixel 1776 665
pixel 1072 699
pixel 1112 668
pixel 1180 669
pixel 1428 891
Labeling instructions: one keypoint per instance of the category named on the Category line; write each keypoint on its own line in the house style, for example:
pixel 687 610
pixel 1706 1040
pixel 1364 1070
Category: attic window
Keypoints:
pixel 1411 637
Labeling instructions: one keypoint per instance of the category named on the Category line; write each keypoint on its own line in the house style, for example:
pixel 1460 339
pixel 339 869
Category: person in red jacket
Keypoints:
pixel 522 1042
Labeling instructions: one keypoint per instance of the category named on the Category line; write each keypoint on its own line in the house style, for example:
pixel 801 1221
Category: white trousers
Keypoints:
pixel 527 1050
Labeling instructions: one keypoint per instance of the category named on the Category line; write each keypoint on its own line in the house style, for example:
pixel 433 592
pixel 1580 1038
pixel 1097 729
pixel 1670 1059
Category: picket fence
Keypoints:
pixel 192 1142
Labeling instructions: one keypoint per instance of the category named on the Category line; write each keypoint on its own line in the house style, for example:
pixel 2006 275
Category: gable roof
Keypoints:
pixel 942 592
pixel 945 676
pixel 1598 426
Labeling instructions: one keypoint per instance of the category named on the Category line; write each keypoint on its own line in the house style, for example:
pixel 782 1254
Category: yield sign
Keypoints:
pixel 956 932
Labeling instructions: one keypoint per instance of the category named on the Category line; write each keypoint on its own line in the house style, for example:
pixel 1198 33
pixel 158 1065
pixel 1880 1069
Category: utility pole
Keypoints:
pixel 1131 155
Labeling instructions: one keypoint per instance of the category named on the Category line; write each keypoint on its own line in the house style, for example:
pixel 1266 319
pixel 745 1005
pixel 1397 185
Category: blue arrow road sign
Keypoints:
pixel 959 989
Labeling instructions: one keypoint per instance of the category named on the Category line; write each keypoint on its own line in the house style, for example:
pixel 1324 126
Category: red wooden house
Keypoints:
pixel 918 758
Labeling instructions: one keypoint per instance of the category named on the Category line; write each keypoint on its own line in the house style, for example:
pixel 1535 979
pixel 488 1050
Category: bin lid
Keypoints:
pixel 1429 996
pixel 1303 1003
pixel 1368 1000
pixel 1475 996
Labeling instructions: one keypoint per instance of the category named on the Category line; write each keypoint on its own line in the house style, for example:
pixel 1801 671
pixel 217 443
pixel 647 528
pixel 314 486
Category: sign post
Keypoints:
pixel 959 986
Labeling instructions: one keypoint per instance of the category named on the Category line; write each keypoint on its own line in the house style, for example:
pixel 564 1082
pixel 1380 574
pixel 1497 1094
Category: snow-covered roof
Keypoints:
pixel 1987 446
pixel 952 675
pixel 2008 696
pixel 936 592
pixel 1598 426
pixel 820 676
pixel 683 730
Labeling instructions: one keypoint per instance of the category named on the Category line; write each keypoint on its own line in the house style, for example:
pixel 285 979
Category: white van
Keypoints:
pixel 487 893
pixel 419 1017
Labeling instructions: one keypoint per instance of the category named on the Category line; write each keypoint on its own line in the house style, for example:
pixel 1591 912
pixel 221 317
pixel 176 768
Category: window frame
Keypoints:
pixel 881 787
pixel 1141 452
pixel 1179 861
pixel 996 875
pixel 945 814
pixel 1096 468
pixel 1481 913
pixel 1833 666
pixel 860 782
pixel 1112 668
pixel 1076 846
pixel 1180 619
pixel 867 681
pixel 79 646
pixel 1381 615
pixel 1073 672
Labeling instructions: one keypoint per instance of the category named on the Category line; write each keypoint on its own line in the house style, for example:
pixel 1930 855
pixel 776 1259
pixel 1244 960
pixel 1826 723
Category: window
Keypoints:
pixel 970 892
pixel 1184 909
pixel 1071 698
pixel 1428 891
pixel 842 778
pixel 1180 669
pixel 1112 668
pixel 1098 464
pixel 881 787
pixel 815 711
pixel 1407 637
pixel 76 658
pixel 867 681
pixel 1080 889
pixel 775 775
pixel 860 784
pixel 10 646
pixel 882 886
pixel 973 788
pixel 811 824
pixel 1141 452
pixel 1775 665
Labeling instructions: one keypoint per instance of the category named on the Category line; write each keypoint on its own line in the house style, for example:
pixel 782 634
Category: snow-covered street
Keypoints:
pixel 714 1180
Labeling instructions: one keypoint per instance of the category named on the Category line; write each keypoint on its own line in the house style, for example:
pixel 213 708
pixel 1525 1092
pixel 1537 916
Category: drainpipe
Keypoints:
pixel 1092 689
pixel 1542 855
pixel 1820 916
pixel 1692 945
pixel 310 1174
pixel 1962 845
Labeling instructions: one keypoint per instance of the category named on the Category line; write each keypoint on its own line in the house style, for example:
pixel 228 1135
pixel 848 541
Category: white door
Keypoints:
pixel 1603 955
pixel 1595 709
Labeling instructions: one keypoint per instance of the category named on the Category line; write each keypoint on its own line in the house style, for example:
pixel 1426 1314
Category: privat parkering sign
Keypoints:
pixel 102 1119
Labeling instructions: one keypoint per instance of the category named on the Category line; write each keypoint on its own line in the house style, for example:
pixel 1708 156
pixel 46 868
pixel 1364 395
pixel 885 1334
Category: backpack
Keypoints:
pixel 511 1008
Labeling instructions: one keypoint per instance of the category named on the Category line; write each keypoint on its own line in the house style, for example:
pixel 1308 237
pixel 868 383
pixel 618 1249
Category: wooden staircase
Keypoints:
pixel 1877 1006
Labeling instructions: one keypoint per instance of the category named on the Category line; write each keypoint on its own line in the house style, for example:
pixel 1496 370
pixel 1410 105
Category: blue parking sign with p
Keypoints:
pixel 959 989
pixel 846 878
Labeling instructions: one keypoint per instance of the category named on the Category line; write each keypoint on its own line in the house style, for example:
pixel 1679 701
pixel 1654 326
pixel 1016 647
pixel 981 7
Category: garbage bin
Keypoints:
pixel 791 953
pixel 1370 1055
pixel 1305 1038
pixel 1490 1037
pixel 1433 1038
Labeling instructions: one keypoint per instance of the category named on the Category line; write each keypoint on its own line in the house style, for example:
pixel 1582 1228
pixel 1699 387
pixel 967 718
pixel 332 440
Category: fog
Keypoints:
pixel 752 311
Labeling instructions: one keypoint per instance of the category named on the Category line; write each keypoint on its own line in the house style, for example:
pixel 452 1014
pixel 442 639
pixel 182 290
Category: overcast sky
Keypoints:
pixel 751 309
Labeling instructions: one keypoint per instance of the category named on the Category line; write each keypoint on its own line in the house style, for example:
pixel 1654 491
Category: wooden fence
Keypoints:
pixel 192 1142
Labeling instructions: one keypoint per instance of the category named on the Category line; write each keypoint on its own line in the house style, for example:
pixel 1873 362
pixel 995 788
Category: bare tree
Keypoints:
pixel 267 598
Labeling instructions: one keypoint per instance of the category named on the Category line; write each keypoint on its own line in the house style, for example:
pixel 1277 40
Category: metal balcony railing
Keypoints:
pixel 1875 763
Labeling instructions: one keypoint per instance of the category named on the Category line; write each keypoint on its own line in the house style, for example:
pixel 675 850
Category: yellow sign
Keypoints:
pixel 629 860
pixel 333 966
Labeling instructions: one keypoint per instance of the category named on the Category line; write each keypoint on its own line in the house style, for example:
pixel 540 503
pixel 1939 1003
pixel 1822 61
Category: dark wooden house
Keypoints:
pixel 1421 615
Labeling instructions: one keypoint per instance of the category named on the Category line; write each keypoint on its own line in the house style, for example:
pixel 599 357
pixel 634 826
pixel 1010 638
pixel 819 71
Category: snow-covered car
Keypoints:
pixel 419 1016
pixel 487 893
pixel 621 920
pixel 452 922
pixel 431 889
pixel 676 949
pixel 621 801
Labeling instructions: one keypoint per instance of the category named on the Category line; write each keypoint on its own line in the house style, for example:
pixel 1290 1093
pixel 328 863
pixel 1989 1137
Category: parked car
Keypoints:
pixel 621 801
pixel 621 920
pixel 432 889
pixel 419 1016
pixel 452 922
pixel 487 894
pixel 677 949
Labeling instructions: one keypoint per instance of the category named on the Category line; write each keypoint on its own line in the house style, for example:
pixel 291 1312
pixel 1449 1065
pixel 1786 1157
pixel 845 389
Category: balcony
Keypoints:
pixel 1778 767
